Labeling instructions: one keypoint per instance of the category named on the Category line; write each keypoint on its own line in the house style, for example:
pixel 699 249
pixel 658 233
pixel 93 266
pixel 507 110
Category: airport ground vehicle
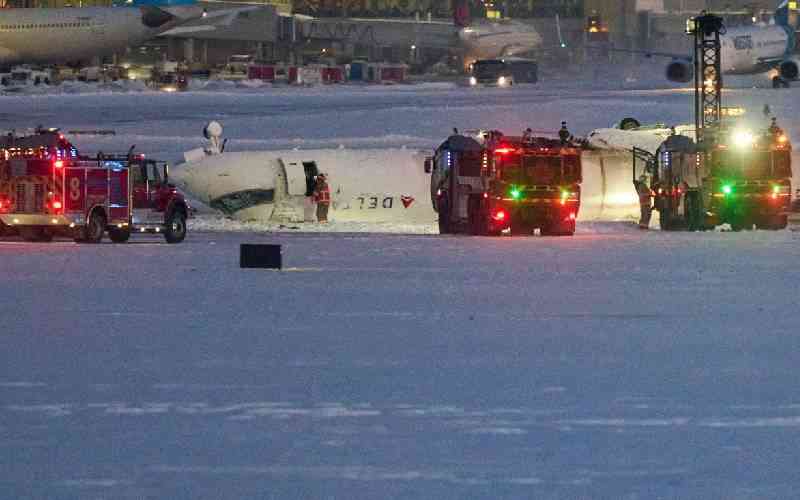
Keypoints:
pixel 741 179
pixel 47 189
pixel 169 76
pixel 503 72
pixel 496 183
pixel 729 173
pixel 21 76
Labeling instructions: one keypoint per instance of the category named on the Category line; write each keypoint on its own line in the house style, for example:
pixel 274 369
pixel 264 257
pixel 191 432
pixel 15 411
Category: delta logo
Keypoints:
pixel 407 200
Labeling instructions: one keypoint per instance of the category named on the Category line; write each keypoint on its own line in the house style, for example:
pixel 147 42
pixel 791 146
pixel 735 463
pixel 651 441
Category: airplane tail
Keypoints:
pixel 783 16
pixel 461 15
pixel 157 3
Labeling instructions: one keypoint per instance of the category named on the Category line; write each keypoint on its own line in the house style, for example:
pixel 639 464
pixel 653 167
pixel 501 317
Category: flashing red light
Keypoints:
pixel 499 215
pixel 58 163
pixel 572 216
pixel 57 205
pixel 774 196
pixel 504 150
pixel 485 195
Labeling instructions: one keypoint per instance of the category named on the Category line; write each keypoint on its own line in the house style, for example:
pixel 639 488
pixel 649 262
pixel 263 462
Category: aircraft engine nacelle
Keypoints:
pixel 790 68
pixel 680 71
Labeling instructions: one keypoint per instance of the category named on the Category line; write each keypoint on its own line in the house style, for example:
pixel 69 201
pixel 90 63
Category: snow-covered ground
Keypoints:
pixel 617 364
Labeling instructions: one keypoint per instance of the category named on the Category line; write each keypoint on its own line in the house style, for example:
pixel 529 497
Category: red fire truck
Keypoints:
pixel 495 183
pixel 47 189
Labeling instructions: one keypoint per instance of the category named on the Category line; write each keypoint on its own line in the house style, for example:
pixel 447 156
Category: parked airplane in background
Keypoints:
pixel 472 39
pixel 488 39
pixel 63 35
pixel 750 50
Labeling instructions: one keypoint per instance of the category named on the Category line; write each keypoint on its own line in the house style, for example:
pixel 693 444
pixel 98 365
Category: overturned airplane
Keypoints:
pixel 367 185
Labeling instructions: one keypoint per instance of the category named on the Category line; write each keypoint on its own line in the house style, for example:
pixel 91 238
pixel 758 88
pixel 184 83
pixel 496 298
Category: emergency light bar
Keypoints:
pixel 732 111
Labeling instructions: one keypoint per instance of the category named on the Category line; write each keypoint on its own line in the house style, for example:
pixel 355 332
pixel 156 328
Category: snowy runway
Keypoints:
pixel 615 364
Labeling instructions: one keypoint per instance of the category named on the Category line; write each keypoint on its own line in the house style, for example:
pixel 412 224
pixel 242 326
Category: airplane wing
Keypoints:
pixel 182 30
pixel 227 15
pixel 230 14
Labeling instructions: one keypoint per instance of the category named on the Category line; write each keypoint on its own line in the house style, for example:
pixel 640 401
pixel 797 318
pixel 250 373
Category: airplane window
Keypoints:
pixel 743 42
pixel 233 202
pixel 137 175
pixel 153 173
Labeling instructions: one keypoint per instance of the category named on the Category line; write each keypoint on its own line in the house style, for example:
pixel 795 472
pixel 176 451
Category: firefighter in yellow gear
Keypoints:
pixel 645 201
pixel 322 197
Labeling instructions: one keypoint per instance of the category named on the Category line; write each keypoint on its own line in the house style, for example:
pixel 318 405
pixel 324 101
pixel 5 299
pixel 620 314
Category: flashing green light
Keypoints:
pixel 563 45
pixel 776 189
pixel 515 193
pixel 727 189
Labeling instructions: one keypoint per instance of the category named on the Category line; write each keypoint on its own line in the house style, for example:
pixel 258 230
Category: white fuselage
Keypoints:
pixel 489 40
pixel 73 34
pixel 745 49
pixel 387 185
pixel 269 186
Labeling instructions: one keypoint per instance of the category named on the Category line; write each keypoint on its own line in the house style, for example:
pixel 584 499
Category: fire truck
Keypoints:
pixel 731 172
pixel 741 178
pixel 493 183
pixel 48 189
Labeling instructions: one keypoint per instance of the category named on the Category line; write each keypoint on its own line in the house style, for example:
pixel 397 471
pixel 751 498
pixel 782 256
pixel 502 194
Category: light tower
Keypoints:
pixel 706 29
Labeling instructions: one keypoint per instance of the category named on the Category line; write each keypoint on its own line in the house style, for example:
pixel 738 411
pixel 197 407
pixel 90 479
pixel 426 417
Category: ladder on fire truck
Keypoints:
pixel 706 30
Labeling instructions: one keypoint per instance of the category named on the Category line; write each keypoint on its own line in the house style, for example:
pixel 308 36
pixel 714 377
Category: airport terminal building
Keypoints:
pixel 417 32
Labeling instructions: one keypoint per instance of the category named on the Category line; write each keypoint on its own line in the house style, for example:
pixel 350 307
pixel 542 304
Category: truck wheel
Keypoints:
pixel 693 212
pixel 118 235
pixel 665 218
pixel 176 227
pixel 780 222
pixel 478 219
pixel 773 222
pixel 444 214
pixel 558 229
pixel 93 231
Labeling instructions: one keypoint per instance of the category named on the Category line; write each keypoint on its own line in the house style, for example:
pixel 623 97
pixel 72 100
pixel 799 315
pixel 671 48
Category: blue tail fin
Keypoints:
pixel 782 13
pixel 153 3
